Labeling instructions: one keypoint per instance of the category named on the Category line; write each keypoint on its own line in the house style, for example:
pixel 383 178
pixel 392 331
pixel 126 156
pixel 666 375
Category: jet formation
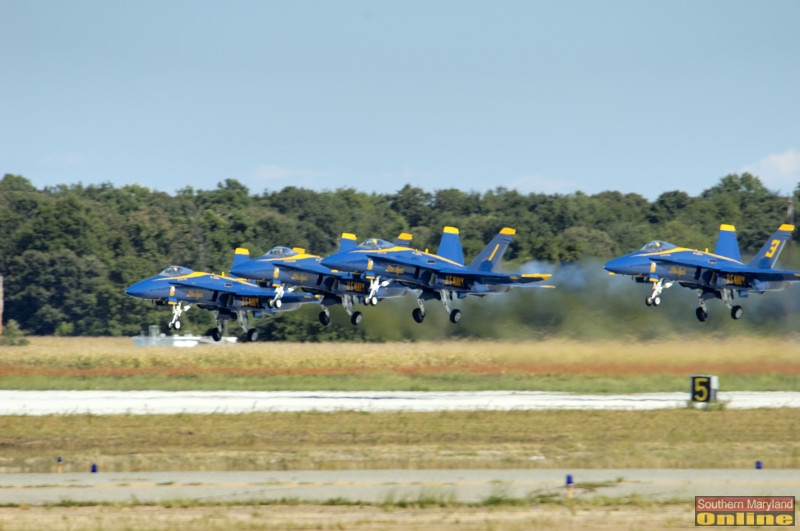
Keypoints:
pixel 286 278
pixel 366 273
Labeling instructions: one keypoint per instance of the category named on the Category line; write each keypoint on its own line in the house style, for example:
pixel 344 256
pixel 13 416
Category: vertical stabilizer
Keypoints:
pixel 450 245
pixel 404 240
pixel 347 243
pixel 727 244
pixel 768 255
pixel 240 256
pixel 492 253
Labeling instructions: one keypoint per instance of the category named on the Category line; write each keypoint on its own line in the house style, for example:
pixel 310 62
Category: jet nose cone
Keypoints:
pixel 614 265
pixel 332 262
pixel 148 289
pixel 628 265
pixel 138 290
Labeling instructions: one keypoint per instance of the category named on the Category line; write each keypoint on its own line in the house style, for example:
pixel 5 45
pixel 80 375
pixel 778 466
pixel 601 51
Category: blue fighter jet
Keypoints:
pixel 286 269
pixel 442 276
pixel 228 297
pixel 718 275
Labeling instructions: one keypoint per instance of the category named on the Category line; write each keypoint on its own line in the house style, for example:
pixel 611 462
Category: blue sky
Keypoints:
pixel 552 97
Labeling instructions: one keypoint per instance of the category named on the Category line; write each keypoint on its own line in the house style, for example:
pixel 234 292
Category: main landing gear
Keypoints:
pixel 251 334
pixel 444 295
pixel 727 297
pixel 347 303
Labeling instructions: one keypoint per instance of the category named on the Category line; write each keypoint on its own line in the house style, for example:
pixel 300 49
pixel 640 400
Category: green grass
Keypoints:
pixel 454 381
pixel 399 382
pixel 672 438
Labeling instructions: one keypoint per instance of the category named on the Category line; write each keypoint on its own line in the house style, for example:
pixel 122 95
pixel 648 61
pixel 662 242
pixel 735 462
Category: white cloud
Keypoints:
pixel 780 172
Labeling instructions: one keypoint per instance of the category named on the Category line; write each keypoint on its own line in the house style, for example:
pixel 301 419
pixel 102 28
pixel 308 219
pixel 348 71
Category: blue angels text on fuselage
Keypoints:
pixel 226 296
pixel 720 274
pixel 285 269
pixel 441 276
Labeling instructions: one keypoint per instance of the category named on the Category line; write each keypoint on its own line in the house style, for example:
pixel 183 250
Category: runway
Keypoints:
pixel 233 402
pixel 379 486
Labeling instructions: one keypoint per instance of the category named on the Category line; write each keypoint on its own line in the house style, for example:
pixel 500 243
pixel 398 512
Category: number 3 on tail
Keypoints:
pixel 772 248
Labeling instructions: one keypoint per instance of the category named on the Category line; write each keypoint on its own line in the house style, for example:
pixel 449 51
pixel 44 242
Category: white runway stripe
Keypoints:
pixel 231 402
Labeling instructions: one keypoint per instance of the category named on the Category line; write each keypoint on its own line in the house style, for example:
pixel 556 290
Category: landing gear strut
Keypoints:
pixel 177 310
pixel 654 299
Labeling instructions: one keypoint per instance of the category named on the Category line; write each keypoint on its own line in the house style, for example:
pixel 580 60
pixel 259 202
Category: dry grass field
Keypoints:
pixel 360 518
pixel 682 438
pixel 611 366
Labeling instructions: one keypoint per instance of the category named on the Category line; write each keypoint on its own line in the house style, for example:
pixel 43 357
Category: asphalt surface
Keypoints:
pixel 378 486
pixel 203 402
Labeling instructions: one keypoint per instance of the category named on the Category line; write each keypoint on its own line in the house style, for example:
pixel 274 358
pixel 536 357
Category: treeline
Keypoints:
pixel 68 252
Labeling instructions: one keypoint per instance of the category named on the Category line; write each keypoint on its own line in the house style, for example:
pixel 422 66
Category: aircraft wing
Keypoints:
pixel 730 267
pixel 473 275
pixel 226 285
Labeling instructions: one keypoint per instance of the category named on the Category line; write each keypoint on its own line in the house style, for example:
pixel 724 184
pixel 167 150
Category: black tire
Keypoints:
pixel 648 301
pixel 702 315
pixel 216 335
pixel 656 301
pixel 356 318
pixel 455 316
pixel 324 318
pixel 252 335
pixel 418 315
pixel 736 312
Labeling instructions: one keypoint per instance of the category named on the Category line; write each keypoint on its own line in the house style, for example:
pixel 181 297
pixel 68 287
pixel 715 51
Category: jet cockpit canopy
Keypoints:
pixel 656 246
pixel 175 271
pixel 280 252
pixel 375 244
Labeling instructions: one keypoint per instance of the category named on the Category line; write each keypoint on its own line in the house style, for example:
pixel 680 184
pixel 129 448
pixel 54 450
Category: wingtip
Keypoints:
pixel 729 228
pixel 786 227
pixel 508 231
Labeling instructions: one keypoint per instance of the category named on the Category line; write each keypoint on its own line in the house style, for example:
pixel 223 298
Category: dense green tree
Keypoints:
pixel 67 252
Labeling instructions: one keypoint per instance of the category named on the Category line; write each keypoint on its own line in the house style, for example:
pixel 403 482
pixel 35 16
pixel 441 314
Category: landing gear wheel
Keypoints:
pixel 270 303
pixel 324 318
pixel 252 335
pixel 277 303
pixel 648 301
pixel 656 301
pixel 374 301
pixel 736 312
pixel 356 318
pixel 216 335
pixel 418 315
pixel 702 315
pixel 177 325
pixel 169 326
pixel 455 316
